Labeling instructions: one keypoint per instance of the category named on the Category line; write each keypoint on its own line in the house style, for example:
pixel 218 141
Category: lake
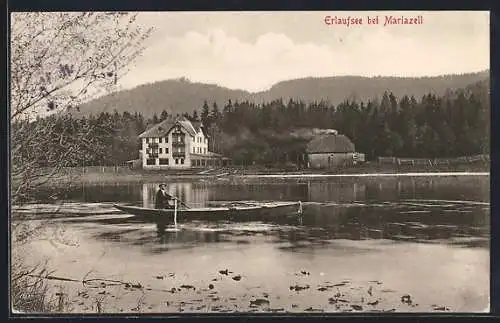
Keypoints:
pixel 362 244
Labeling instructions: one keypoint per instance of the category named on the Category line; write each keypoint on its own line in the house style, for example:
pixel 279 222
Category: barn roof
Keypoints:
pixel 330 143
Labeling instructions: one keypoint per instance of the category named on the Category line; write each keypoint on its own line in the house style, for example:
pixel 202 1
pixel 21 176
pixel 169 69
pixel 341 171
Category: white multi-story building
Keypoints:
pixel 177 144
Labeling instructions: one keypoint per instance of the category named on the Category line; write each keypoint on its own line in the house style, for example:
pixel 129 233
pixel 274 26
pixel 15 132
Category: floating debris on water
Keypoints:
pixel 224 272
pixel 440 308
pixel 299 288
pixel 188 287
pixel 259 302
pixel 406 299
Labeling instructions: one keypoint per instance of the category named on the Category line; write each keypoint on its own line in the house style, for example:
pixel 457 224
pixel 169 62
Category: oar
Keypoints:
pixel 182 203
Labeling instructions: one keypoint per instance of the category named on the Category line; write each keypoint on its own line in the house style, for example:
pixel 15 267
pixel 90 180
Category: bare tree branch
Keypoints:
pixel 58 61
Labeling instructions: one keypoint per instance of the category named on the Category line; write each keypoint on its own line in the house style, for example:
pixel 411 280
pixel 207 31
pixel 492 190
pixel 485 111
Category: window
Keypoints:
pixel 163 161
pixel 193 150
pixel 147 140
pixel 182 161
pixel 166 150
pixel 166 139
pixel 204 150
pixel 161 150
pixel 161 139
pixel 176 161
pixel 151 161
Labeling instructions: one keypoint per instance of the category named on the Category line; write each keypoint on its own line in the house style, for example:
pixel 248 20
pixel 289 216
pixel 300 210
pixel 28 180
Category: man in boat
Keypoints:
pixel 163 199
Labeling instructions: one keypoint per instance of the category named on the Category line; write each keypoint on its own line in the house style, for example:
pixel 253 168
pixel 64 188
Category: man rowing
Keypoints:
pixel 163 199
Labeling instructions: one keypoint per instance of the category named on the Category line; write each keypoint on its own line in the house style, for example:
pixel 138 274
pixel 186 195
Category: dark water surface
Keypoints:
pixel 425 236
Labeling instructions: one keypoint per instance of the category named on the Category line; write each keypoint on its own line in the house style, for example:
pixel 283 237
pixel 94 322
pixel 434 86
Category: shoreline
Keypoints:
pixel 226 174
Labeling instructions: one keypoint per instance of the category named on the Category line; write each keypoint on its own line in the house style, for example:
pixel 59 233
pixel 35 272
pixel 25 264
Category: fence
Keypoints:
pixel 89 169
pixel 434 161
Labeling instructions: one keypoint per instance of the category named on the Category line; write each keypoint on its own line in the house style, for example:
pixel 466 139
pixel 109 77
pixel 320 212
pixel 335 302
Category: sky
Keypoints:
pixel 254 50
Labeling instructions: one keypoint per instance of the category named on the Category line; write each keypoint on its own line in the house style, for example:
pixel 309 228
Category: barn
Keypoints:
pixel 330 150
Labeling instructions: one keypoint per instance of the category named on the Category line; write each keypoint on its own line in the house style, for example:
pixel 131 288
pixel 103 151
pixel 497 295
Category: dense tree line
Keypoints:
pixel 455 124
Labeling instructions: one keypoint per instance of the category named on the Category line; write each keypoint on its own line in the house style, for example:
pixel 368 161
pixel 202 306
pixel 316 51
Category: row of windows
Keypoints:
pixel 156 140
pixel 200 140
pixel 198 150
pixel 164 161
pixel 178 138
pixel 156 150
pixel 160 150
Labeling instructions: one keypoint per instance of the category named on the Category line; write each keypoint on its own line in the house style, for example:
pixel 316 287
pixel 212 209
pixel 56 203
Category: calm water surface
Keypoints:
pixel 427 237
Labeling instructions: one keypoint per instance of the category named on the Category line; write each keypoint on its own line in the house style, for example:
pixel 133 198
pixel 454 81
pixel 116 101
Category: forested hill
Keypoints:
pixel 182 96
pixel 276 132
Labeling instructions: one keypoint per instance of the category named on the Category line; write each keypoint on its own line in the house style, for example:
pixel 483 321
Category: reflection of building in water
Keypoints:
pixel 336 192
pixel 193 194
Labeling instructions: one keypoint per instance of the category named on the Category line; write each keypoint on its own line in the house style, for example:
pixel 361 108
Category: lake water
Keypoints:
pixel 362 244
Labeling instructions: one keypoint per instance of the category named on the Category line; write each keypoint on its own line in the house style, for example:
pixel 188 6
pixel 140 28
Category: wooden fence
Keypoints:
pixel 433 162
pixel 89 169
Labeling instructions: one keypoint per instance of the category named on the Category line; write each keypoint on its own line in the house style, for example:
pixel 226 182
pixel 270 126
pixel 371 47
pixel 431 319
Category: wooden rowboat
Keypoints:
pixel 236 211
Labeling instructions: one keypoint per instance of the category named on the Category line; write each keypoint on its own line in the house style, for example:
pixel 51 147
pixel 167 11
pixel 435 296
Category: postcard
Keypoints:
pixel 241 162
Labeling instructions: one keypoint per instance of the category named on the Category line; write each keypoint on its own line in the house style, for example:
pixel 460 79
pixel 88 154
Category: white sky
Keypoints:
pixel 254 50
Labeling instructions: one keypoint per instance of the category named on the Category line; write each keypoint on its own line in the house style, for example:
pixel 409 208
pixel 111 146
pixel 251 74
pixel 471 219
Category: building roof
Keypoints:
pixel 330 143
pixel 159 129
pixel 162 128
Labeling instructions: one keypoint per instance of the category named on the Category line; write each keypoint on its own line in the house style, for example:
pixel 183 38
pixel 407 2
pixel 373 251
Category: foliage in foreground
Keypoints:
pixel 58 61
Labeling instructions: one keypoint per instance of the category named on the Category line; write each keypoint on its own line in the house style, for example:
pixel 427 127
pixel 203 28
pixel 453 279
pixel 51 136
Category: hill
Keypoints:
pixel 179 96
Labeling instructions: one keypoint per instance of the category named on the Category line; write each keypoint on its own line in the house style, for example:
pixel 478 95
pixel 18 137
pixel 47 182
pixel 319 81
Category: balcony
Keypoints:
pixel 153 145
pixel 178 144
pixel 178 154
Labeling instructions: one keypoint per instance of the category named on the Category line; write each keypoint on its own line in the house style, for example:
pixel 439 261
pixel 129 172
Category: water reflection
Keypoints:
pixel 194 194
pixel 423 210
pixel 465 225
pixel 340 190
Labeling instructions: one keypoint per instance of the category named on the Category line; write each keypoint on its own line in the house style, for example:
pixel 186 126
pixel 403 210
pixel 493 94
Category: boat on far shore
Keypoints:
pixel 217 210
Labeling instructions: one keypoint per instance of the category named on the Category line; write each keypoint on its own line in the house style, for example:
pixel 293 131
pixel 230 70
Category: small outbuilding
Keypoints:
pixel 330 150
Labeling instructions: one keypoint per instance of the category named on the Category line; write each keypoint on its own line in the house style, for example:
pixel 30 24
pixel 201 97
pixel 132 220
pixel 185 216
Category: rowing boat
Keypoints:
pixel 239 211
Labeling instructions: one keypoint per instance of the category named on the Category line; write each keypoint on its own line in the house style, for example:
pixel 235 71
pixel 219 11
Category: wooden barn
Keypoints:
pixel 331 150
